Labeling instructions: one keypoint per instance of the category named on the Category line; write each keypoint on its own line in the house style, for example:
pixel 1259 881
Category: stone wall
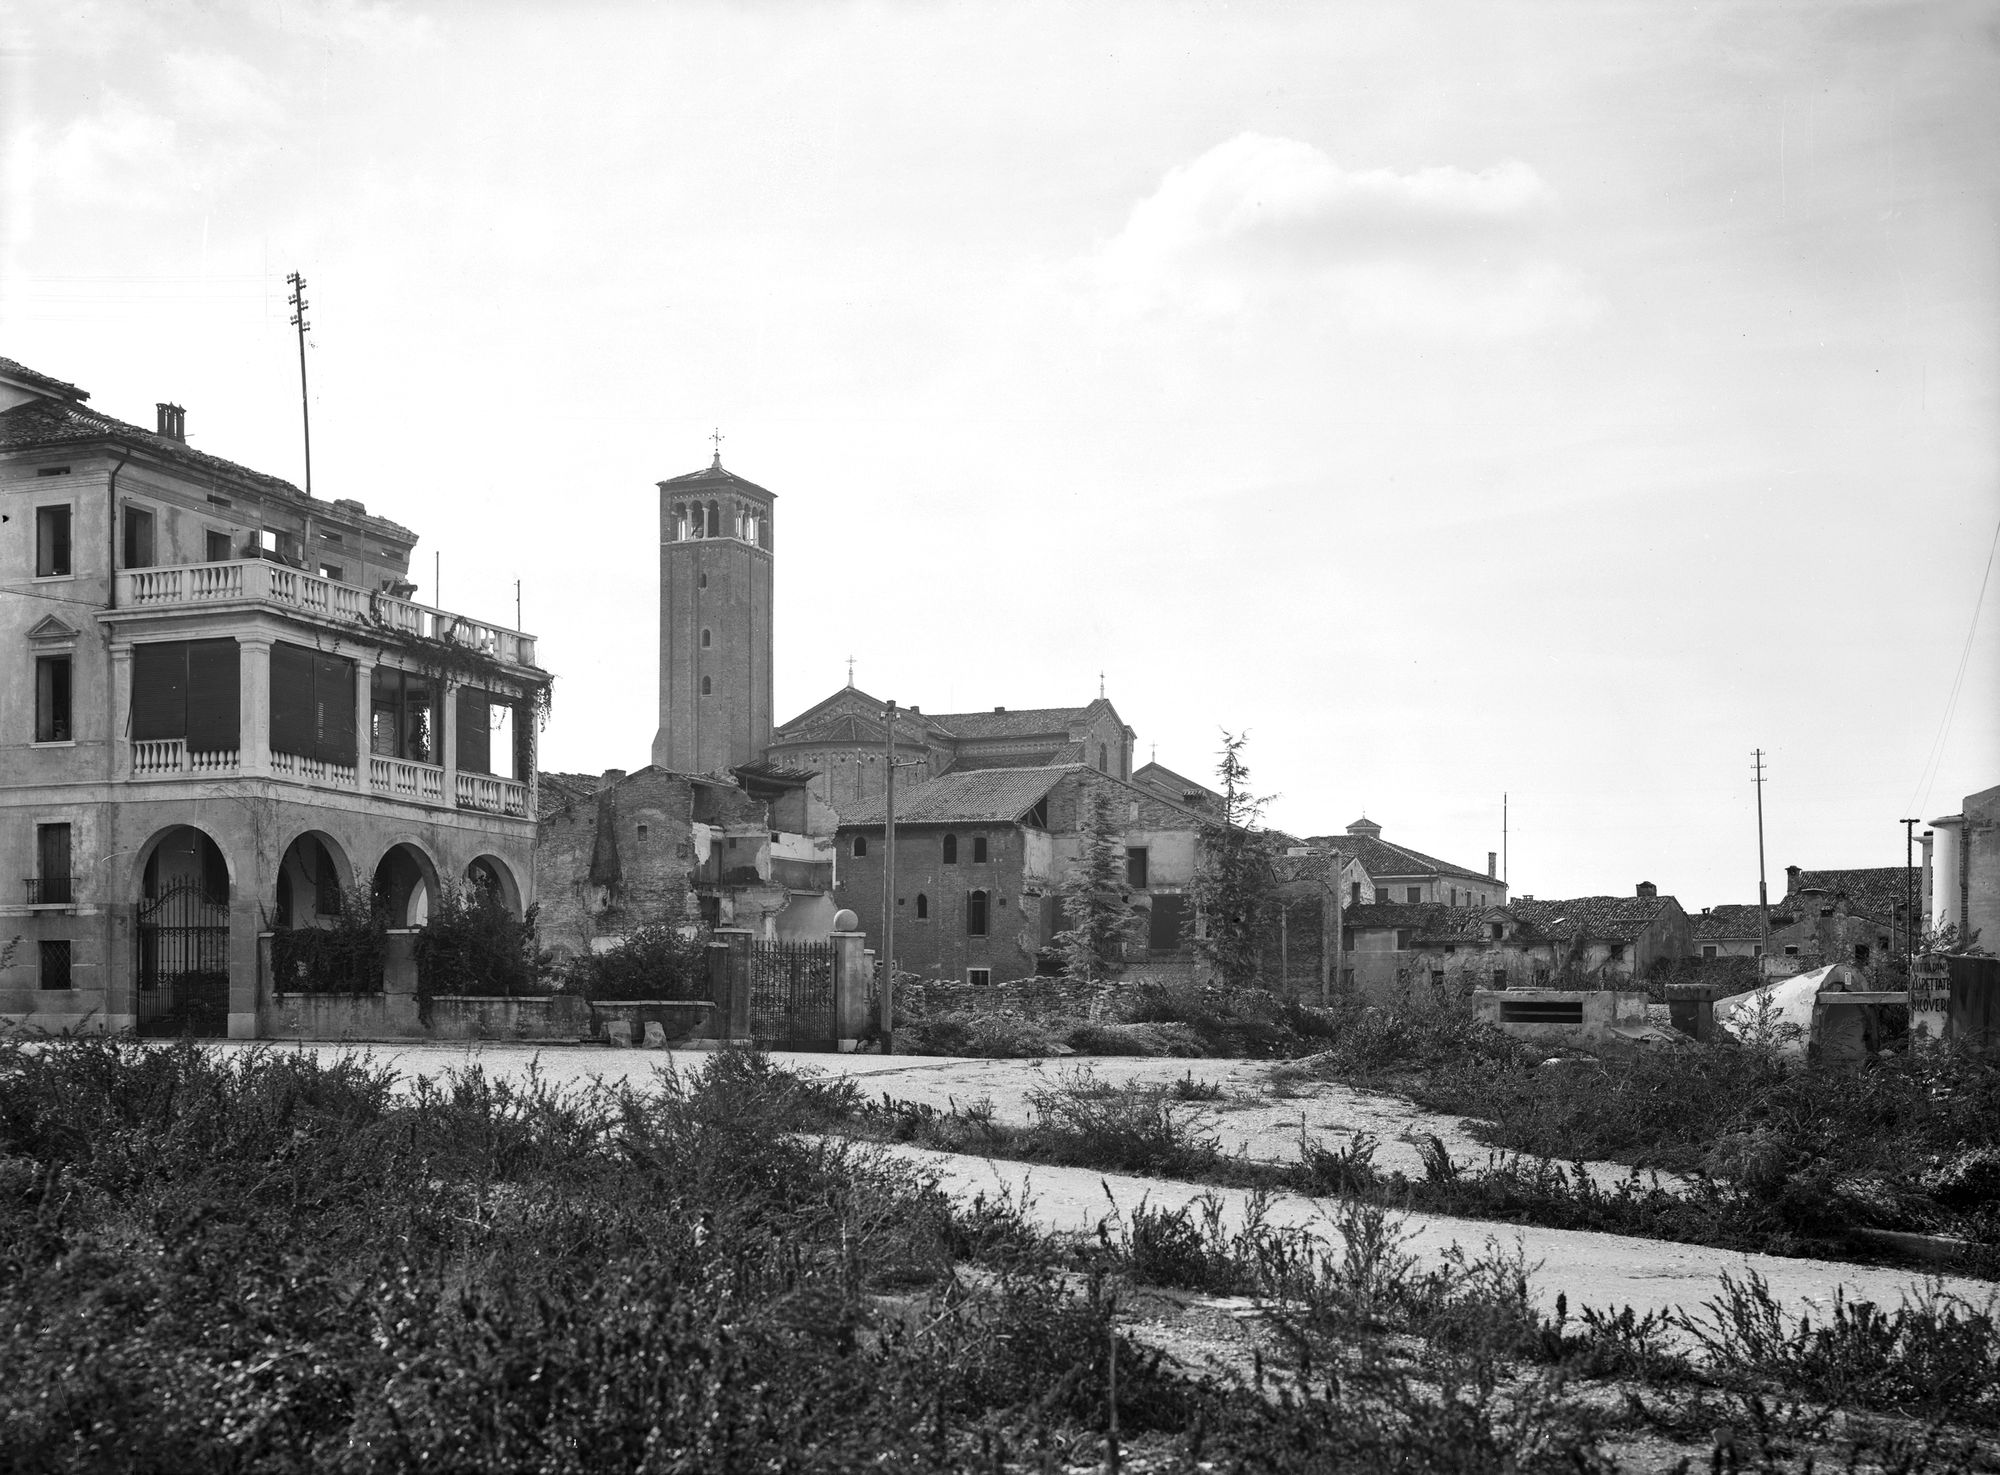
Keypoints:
pixel 616 860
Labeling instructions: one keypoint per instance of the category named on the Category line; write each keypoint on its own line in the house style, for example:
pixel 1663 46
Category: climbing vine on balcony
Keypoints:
pixel 453 661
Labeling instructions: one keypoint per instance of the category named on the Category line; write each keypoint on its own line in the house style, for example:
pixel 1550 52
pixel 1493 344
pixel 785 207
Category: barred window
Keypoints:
pixel 55 963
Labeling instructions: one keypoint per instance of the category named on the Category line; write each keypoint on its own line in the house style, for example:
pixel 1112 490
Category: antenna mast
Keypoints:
pixel 1763 896
pixel 298 300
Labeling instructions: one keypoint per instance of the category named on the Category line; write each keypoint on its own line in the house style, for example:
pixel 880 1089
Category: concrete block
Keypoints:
pixel 656 1035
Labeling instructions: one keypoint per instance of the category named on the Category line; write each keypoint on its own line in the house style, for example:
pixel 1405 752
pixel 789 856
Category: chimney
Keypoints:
pixel 611 776
pixel 172 420
pixel 916 710
pixel 999 709
pixel 1791 878
pixel 1492 865
pixel 1647 891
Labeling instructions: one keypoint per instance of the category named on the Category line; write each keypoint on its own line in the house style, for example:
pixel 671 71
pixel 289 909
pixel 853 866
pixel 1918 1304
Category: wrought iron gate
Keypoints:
pixel 184 963
pixel 791 995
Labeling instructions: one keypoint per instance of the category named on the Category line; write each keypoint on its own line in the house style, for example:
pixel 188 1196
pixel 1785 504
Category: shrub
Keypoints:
pixel 472 944
pixel 345 956
pixel 654 962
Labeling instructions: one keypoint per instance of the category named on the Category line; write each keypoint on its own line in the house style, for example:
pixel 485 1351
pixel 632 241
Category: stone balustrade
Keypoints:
pixel 259 581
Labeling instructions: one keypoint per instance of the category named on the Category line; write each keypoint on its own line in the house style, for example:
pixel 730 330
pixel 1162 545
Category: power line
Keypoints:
pixel 1921 797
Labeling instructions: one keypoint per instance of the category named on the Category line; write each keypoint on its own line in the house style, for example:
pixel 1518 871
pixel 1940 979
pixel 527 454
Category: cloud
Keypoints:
pixel 215 87
pixel 1276 222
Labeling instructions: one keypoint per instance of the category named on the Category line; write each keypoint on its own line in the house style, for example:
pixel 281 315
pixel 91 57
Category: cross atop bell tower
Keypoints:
pixel 716 575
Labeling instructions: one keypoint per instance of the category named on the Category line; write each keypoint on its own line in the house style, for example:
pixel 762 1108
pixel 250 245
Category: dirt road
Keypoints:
pixel 1602 1270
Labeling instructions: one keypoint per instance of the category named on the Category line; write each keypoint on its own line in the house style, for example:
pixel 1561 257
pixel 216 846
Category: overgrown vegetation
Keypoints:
pixel 256 1261
pixel 472 944
pixel 1233 881
pixel 654 962
pixel 342 955
pixel 1096 901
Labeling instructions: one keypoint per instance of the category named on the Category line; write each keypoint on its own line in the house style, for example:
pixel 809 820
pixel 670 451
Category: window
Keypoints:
pixel 708 686
pixel 52 704
pixel 51 542
pixel 860 844
pixel 1498 930
pixel 979 976
pixel 312 705
pixel 951 850
pixel 1402 939
pixel 190 689
pixel 1708 950
pixel 1499 977
pixel 1354 893
pixel 218 546
pixel 1791 952
pixel 923 907
pixel 979 850
pixel 1617 952
pixel 138 538
pixel 1136 857
pixel 1861 955
pixel 1757 950
pixel 642 832
pixel 404 717
pixel 334 572
pixel 714 521
pixel 1454 896
pixel 1413 894
pixel 701 581
pixel 1103 759
pixel 975 914
pixel 54 885
pixel 706 640
pixel 475 730
pixel 1163 926
pixel 55 963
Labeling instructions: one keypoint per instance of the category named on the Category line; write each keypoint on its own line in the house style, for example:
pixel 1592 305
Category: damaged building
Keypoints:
pixel 751 849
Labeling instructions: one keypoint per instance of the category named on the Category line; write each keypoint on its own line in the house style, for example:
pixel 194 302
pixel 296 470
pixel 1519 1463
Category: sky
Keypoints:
pixel 1557 401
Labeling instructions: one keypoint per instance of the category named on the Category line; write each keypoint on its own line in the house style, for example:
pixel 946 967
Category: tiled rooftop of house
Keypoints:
pixel 968 796
pixel 1614 918
pixel 1876 892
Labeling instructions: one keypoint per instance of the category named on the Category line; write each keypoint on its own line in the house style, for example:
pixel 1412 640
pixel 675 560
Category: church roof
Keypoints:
pixel 965 796
pixel 1018 722
pixel 713 475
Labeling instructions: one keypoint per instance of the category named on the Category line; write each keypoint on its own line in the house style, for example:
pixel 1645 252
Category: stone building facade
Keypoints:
pixel 981 855
pixel 1411 877
pixel 219 710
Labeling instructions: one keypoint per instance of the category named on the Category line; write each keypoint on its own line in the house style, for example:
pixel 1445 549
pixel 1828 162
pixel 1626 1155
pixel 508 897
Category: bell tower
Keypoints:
pixel 715 621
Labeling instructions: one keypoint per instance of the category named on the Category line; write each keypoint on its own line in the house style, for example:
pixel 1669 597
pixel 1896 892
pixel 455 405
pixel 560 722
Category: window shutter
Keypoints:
pixel 294 712
pixel 333 700
pixel 1163 928
pixel 159 690
pixel 214 692
pixel 475 731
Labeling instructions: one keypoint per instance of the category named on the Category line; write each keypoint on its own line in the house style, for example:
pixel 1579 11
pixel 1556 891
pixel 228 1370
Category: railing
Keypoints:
pixel 261 581
pixel 161 757
pixel 492 795
pixel 49 891
pixel 406 780
pixel 306 770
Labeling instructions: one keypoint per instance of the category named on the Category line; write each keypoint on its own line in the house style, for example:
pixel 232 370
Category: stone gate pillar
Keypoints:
pixel 729 982
pixel 853 981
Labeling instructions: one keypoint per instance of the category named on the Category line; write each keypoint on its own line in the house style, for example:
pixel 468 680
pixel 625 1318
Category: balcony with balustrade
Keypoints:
pixel 258 583
pixel 237 600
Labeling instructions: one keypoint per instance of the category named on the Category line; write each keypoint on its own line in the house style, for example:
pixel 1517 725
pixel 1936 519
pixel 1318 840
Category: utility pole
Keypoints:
pixel 517 604
pixel 1503 838
pixel 1763 896
pixel 888 995
pixel 305 410
pixel 1909 895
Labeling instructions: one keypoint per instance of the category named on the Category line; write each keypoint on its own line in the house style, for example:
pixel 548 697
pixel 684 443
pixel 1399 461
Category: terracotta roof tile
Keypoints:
pixel 1876 892
pixel 965 796
pixel 1614 918
pixel 22 374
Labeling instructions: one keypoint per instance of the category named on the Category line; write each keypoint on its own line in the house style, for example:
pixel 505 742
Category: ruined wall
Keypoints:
pixel 616 860
pixel 937 945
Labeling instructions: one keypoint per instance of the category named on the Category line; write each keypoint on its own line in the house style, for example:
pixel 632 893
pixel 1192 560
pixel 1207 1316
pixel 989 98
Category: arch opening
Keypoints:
pixel 490 875
pixel 406 885
pixel 312 880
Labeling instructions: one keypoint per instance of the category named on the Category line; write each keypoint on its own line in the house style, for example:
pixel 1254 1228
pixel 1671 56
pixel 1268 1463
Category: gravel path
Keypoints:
pixel 1255 1118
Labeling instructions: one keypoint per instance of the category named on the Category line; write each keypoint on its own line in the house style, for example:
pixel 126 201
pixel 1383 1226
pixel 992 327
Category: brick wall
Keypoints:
pixel 653 867
pixel 937 945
